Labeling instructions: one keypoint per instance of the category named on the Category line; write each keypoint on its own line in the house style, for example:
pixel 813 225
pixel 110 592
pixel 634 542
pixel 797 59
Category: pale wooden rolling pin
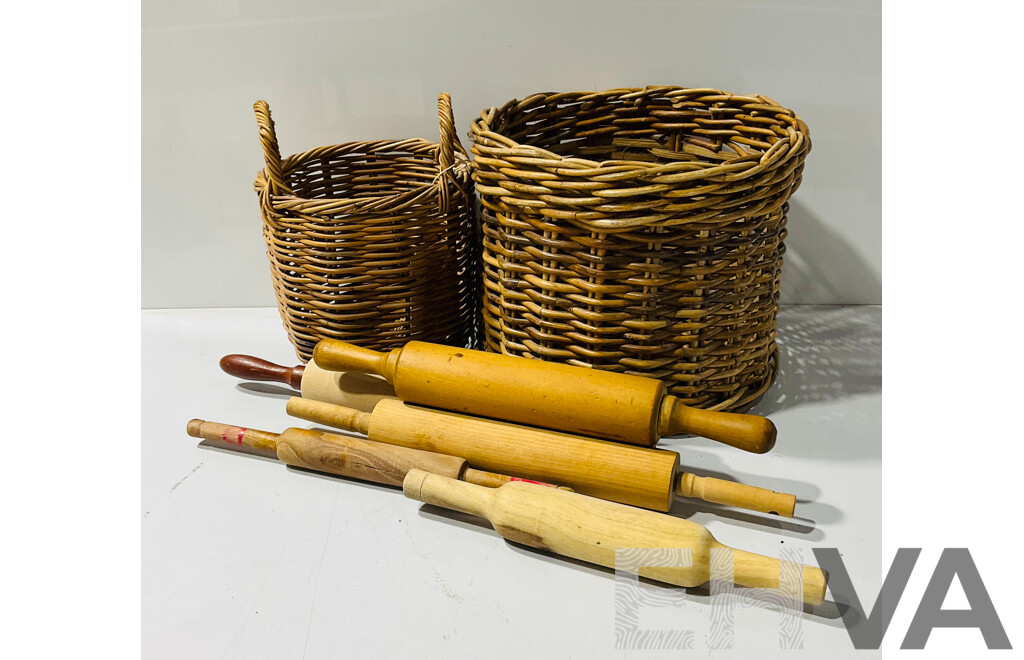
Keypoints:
pixel 591 530
pixel 648 478
pixel 344 456
pixel 592 402
pixel 361 391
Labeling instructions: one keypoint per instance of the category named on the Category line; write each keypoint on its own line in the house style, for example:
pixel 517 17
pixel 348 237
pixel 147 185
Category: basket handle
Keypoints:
pixel 271 152
pixel 446 151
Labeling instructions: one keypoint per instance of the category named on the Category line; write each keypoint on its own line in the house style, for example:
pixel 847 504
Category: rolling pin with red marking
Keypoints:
pixel 344 456
pixel 603 404
pixel 355 390
pixel 644 477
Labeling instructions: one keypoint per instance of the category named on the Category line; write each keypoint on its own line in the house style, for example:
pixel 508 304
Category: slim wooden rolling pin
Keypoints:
pixel 344 456
pixel 361 391
pixel 591 530
pixel 648 478
pixel 592 402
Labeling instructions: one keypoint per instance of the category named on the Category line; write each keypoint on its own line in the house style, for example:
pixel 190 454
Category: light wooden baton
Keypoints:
pixel 591 530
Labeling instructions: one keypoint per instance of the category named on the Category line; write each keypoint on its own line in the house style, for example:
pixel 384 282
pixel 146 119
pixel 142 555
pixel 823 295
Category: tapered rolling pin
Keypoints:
pixel 603 404
pixel 344 456
pixel 361 391
pixel 648 478
pixel 591 530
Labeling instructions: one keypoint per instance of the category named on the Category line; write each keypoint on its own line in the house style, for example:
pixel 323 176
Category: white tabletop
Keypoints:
pixel 246 558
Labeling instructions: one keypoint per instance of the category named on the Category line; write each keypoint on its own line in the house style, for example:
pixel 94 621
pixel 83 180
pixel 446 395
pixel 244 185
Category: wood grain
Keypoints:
pixel 602 404
pixel 249 367
pixel 590 529
pixel 634 475
pixel 359 458
pixel 345 388
pixel 643 477
pixel 730 493
pixel 344 456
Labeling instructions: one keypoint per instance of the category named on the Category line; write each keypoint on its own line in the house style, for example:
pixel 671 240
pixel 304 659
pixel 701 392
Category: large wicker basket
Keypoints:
pixel 641 231
pixel 373 243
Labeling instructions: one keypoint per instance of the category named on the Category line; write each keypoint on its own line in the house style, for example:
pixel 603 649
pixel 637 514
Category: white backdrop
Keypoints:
pixel 338 71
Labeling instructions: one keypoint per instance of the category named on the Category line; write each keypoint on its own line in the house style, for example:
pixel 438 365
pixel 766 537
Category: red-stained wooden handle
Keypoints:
pixel 253 368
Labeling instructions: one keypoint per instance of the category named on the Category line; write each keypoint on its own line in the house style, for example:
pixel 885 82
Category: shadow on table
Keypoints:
pixel 796 527
pixel 822 265
pixel 267 390
pixel 810 512
pixel 825 353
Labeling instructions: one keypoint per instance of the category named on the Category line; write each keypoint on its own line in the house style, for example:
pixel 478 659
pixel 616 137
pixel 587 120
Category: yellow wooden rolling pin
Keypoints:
pixel 648 478
pixel 343 455
pixel 603 404
pixel 590 529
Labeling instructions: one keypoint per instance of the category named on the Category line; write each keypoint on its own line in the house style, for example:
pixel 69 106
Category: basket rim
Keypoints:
pixel 460 172
pixel 489 142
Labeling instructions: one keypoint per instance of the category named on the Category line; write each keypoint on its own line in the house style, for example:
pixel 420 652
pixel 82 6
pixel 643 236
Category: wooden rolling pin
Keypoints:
pixel 343 455
pixel 590 529
pixel 648 478
pixel 592 402
pixel 356 390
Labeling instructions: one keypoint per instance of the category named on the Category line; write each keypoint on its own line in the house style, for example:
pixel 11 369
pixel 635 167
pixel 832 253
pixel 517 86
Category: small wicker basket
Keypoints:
pixel 373 243
pixel 641 231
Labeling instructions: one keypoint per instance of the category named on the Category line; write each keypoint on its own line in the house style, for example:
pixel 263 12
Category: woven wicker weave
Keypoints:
pixel 641 231
pixel 373 243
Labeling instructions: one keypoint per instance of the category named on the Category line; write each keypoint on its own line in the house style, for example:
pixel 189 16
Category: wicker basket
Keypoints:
pixel 372 243
pixel 641 231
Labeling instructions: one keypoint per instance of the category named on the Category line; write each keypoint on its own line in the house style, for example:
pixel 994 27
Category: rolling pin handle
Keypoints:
pixel 751 433
pixel 261 441
pixel 730 493
pixel 448 493
pixel 759 571
pixel 253 368
pixel 341 417
pixel 335 355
